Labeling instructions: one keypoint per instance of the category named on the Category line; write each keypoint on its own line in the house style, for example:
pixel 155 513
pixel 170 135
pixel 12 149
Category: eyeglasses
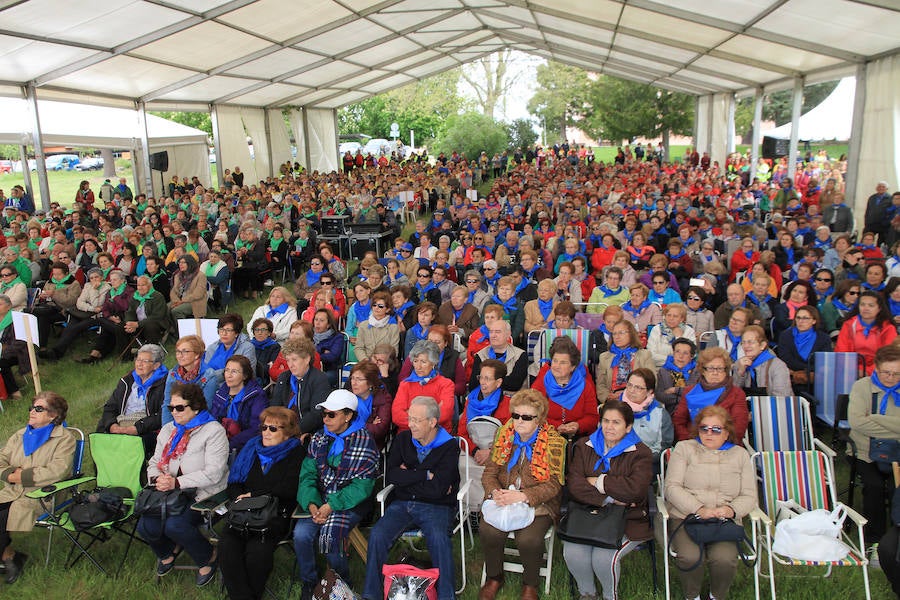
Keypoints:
pixel 260 330
pixel 329 414
pixel 185 351
pixel 693 298
pixel 659 283
pixel 272 428
pixel 632 386
pixel 471 281
pixel 853 293
pixel 714 429
pixel 520 417
pixel 315 264
pixel 225 330
pixel 144 361
pixel 379 305
pixel 803 318
pixel 888 374
pixel 824 279
pixel 38 408
pixel 715 369
pixel 177 407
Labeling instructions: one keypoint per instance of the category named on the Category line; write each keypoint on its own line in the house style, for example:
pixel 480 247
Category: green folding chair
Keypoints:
pixel 119 460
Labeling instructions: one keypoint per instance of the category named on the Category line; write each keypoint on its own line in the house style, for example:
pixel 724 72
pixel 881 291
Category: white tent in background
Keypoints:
pixel 830 120
pixel 82 125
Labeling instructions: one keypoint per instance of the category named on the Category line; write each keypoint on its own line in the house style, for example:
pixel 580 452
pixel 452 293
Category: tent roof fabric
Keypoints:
pixel 829 120
pixel 189 53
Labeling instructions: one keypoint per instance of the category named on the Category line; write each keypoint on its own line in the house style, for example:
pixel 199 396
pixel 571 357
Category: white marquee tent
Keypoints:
pixel 242 60
pixel 830 120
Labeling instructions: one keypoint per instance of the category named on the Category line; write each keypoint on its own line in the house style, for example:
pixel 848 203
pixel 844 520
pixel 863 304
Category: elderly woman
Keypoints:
pixel 424 380
pixel 219 278
pixel 231 342
pixel 267 349
pixel 269 464
pixel 565 381
pixel 135 406
pixel 652 422
pixel 82 317
pixel 12 286
pixel 191 454
pixel 373 400
pixel 188 368
pixel 616 364
pixel 539 312
pixel 640 310
pixel 360 310
pixel 868 327
pixel 302 387
pixel 798 345
pixel 449 361
pixel 188 294
pixel 796 294
pixel 380 328
pixel 874 412
pixel 526 465
pixel 250 257
pixel 610 466
pixel 280 309
pixel 459 315
pixel 836 309
pixel 238 402
pixel 37 455
pixel 714 386
pixel 729 337
pixel 56 299
pixel 308 281
pixel 700 318
pixel 673 375
pixel 336 480
pixel 673 326
pixel 711 476
pixel 330 344
pixel 113 316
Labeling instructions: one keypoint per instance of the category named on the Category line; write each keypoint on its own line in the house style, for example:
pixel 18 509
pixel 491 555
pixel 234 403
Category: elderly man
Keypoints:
pixel 736 297
pixel 501 348
pixel 422 467
pixel 875 209
pixel 459 315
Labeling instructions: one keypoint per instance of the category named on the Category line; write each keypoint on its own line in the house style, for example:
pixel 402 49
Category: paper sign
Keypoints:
pixel 472 194
pixel 205 328
pixel 22 332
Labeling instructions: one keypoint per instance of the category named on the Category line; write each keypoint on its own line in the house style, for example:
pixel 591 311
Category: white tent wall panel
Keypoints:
pixel 322 139
pixel 719 132
pixel 879 156
pixel 702 124
pixel 281 141
pixel 296 119
pixel 255 122
pixel 184 161
pixel 233 141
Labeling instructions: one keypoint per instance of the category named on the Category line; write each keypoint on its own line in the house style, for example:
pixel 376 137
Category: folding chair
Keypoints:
pixel 33 293
pixel 581 337
pixel 462 515
pixel 806 480
pixel 511 564
pixel 781 423
pixel 344 375
pixel 119 460
pixel 706 338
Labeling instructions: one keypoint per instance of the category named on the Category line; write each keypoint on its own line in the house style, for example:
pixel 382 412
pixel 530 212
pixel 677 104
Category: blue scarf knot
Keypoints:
pixel 313 278
pixel 143 387
pixel 565 395
pixel 362 311
pixel 509 306
pixel 201 418
pixel 33 438
pixel 622 355
pixel 645 414
pixel 735 342
pixel 234 407
pixel 337 446
pixel 599 442
pixel 478 405
pixel 635 311
pixel 483 333
pixel 401 312
pixel 804 340
pixel 867 327
pixel 277 310
pixel 725 446
pixel 519 447
pixel 890 393
pixel 685 371
pixel 262 345
pixel 546 308
pixel 423 450
pixel 414 377
pixel 364 407
pixel 267 455
pixel 607 291
pixel 697 398
pixel 419 332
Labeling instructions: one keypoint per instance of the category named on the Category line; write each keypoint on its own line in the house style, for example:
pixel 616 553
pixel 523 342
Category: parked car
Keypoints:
pixel 61 162
pixel 91 163
pixel 377 147
pixel 6 166
pixel 352 147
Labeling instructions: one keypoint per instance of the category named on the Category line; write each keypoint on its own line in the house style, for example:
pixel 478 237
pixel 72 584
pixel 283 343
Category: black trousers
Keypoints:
pixel 246 563
pixel 889 557
pixel 874 499
pixel 5 540
pixel 71 333
pixel 9 380
pixel 47 315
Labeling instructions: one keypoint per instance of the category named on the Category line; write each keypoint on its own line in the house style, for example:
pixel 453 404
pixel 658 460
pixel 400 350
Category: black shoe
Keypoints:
pixel 48 354
pixel 90 359
pixel 307 592
pixel 164 568
pixel 202 580
pixel 14 567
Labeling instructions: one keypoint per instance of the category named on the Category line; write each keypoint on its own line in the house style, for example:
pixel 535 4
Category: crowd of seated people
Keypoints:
pixel 691 302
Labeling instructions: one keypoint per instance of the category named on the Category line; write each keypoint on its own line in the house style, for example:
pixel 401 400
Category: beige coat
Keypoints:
pixel 204 464
pixel 18 295
pixel 195 294
pixel 368 337
pixel 864 424
pixel 642 358
pixel 48 464
pixel 66 296
pixel 91 298
pixel 534 320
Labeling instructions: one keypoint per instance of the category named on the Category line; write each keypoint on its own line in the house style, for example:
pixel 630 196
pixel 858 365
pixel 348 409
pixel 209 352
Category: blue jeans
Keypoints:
pixel 306 536
pixel 181 530
pixel 434 521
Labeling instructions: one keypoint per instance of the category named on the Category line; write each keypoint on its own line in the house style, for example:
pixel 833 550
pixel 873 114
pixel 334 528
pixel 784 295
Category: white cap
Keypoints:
pixel 339 400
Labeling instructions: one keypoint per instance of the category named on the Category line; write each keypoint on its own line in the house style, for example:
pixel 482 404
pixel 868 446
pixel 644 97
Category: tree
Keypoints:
pixel 197 120
pixel 489 79
pixel 559 100
pixel 623 109
pixel 521 133
pixel 779 106
pixel 471 134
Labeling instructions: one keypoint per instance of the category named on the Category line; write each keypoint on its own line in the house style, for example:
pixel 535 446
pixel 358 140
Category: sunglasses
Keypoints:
pixel 715 429
pixel 423 276
pixel 518 417
pixel 379 305
pixel 327 282
pixel 823 279
pixel 693 298
pixel 177 407
pixel 853 293
pixel 330 414
pixel 39 409
pixel 272 428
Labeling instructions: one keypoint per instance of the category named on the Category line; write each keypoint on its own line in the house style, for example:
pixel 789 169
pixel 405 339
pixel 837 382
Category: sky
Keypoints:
pixel 514 105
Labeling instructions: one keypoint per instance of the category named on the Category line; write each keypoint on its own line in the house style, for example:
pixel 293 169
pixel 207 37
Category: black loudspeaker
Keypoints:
pixel 775 148
pixel 335 225
pixel 159 161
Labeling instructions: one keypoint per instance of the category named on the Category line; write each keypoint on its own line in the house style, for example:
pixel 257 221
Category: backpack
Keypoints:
pixel 101 505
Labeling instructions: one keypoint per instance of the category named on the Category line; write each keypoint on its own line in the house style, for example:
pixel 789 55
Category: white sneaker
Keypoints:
pixel 874 563
pixel 268 283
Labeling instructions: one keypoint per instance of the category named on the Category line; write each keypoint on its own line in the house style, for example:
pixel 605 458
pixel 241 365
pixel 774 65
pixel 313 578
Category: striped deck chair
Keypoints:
pixel 581 337
pixel 534 363
pixel 344 375
pixel 806 479
pixel 781 423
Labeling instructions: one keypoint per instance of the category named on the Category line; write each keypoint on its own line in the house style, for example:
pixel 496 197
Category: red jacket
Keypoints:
pixel 740 262
pixel 852 339
pixel 440 388
pixel 584 412
pixel 733 400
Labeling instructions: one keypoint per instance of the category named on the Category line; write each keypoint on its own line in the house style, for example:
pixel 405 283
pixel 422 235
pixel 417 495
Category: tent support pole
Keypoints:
pixel 696 128
pixel 730 132
pixel 268 125
pixel 145 151
pixel 38 137
pixel 305 122
pixel 337 138
pixel 709 125
pixel 217 144
pixel 796 107
pixel 855 144
pixel 757 134
pixel 26 170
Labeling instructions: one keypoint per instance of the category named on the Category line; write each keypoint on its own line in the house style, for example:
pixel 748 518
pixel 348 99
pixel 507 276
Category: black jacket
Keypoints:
pixel 115 406
pixel 314 388
pixel 412 483
pixel 281 481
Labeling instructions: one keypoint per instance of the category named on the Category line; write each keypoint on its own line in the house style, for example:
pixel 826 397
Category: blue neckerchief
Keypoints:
pixel 472 296
pixel 607 292
pixel 33 438
pixel 890 393
pixel 143 387
pixel 875 288
pixel 364 407
pixel 234 407
pixel 646 413
pixel 597 241
pixel 295 388
pixel 263 344
pixel 726 446
pixel 267 455
pixel 752 297
pixel 220 356
pixel 277 310
pixel 201 418
pixel 522 285
pixel 676 256
pixel 422 451
pixel 627 235
pixel 867 327
pixel 565 395
pixel 604 330
pixel 599 442
pixel 635 253
pixel 622 355
pixel 790 255
pixel 697 398
pixel 628 306
pixel 804 341
pixel 546 308
pixel 362 311
pixel 748 254
pixel 841 306
pixel 483 332
pixel 685 371
pixel 401 312
pixel 476 406
pixel 569 257
pixel 424 290
pixel 492 354
pixel 313 278
pixel 337 446
pixel 817 243
pixel 457 313
pixel 509 306
pixel 866 246
pixel 519 447
pixel 419 332
pixel 493 279
pixel 764 356
pixel 735 342
pixel 414 377
pixel 894 306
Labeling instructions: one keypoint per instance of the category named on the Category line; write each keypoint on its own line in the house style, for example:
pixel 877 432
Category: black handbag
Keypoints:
pixel 151 502
pixel 601 527
pixel 709 531
pixel 253 514
pixel 883 451
pixel 102 505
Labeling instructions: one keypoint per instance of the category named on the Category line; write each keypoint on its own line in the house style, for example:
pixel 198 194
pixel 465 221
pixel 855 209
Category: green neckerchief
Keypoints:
pixel 106 272
pixel 274 243
pixel 242 244
pixel 142 298
pixel 191 248
pixel 32 245
pixel 210 269
pixel 142 207
pixel 161 246
pixel 59 283
pixel 7 321
pixel 301 242
pixel 113 292
pixel 185 206
pixel 6 286
pixel 153 277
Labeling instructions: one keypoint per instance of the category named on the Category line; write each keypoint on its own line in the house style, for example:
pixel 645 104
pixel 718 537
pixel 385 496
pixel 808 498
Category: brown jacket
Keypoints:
pixel 534 320
pixel 468 320
pixel 66 296
pixel 628 480
pixel 195 294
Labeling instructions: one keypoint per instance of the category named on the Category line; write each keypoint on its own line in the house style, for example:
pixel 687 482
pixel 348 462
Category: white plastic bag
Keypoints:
pixel 812 536
pixel 511 517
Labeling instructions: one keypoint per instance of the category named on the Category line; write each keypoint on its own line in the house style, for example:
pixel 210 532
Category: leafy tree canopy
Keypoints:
pixel 470 134
pixel 198 120
pixel 559 100
pixel 521 133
